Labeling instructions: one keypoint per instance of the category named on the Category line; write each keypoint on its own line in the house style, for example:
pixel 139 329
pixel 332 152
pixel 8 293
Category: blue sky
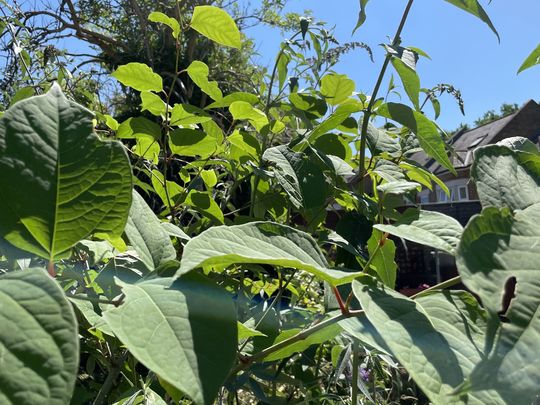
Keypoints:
pixel 464 51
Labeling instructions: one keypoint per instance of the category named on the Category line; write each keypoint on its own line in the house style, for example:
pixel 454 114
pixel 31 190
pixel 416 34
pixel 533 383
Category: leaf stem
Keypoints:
pixel 445 284
pixel 246 362
pixel 369 109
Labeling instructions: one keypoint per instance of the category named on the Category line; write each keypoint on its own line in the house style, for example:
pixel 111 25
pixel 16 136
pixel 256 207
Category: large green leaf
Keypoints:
pixel 342 112
pixel 438 338
pixel 497 247
pixel 427 228
pixel 215 24
pixel 379 141
pixel 382 253
pixel 137 126
pixel 408 75
pixel 262 243
pixel 336 88
pixel 192 142
pixel 474 7
pixel 185 332
pixel 39 344
pixel 186 114
pixel 532 60
pixel 198 72
pixel 203 202
pixel 300 177
pixel 59 182
pixel 138 76
pixel 425 130
pixel 242 110
pixel 147 236
pixel 506 177
pixel 172 23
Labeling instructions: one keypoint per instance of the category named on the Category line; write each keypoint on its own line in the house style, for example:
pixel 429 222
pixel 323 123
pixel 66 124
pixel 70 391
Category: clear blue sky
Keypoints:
pixel 464 51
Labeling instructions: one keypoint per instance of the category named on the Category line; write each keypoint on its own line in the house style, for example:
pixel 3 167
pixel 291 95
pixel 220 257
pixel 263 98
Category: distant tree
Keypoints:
pixel 114 33
pixel 489 116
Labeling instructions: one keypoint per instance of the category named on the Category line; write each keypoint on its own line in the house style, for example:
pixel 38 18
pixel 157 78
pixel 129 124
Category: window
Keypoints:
pixel 458 191
pixel 424 197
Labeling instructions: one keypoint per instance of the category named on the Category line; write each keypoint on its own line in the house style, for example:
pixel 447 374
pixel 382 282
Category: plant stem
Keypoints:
pixel 445 284
pixel 114 371
pixel 245 363
pixel 369 109
pixel 256 179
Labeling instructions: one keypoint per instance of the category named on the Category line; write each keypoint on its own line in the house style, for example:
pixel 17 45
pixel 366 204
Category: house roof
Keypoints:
pixel 525 122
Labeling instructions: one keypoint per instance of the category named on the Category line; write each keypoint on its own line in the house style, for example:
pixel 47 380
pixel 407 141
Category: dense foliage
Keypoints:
pixel 181 255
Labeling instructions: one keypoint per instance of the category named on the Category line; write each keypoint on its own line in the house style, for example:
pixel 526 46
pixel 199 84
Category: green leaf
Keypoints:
pixel 382 258
pixel 147 148
pixel 321 336
pixel 185 332
pixel 438 337
pixel 39 342
pixel 532 60
pixel 341 113
pixel 474 7
pixel 506 177
pixel 286 164
pixel 245 332
pixel 426 131
pixel 133 127
pixel 242 110
pixel 205 204
pixel 427 228
pixel 192 142
pixel 209 177
pixel 198 72
pixel 398 187
pixel 310 104
pixel 73 185
pixel 174 25
pixel 244 147
pixel 379 141
pixel 186 114
pixel 361 15
pixel 496 247
pixel 409 78
pixel 152 103
pixel 300 177
pixel 168 191
pixel 261 243
pixel 147 236
pixel 336 88
pixel 138 76
pixel 215 24
pixel 21 94
pixel 282 67
pixel 231 98
pixel 173 230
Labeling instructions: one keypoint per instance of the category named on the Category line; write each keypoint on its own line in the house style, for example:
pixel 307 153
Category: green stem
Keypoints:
pixel 441 286
pixel 369 109
pixel 246 362
pixel 256 179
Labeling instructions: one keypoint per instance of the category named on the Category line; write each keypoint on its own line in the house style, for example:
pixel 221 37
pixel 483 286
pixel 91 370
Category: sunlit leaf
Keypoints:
pixel 138 76
pixel 262 243
pixel 73 185
pixel 217 25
